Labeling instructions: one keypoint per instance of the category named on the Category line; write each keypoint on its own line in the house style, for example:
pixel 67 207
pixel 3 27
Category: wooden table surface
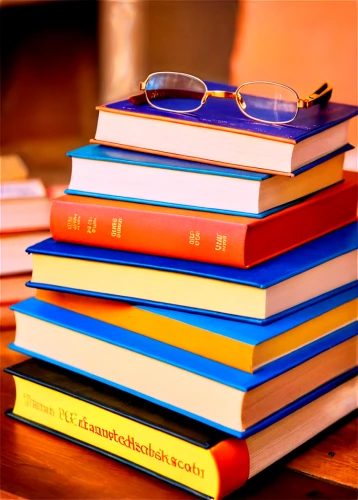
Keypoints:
pixel 36 465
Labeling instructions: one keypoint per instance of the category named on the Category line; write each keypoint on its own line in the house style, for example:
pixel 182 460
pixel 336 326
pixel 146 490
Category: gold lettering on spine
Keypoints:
pixel 36 405
pixel 194 238
pixel 91 225
pixel 127 441
pixel 74 222
pixel 116 228
pixel 82 422
pixel 221 241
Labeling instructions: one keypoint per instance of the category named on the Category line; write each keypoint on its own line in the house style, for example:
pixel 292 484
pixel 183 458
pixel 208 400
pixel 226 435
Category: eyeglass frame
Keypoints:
pixel 320 96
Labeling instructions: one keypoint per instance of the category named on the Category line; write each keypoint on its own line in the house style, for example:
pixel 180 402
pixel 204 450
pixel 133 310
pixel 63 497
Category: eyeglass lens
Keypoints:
pixel 175 92
pixel 183 93
pixel 269 102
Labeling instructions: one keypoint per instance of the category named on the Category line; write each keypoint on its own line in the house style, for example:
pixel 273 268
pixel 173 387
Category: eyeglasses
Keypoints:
pixel 267 102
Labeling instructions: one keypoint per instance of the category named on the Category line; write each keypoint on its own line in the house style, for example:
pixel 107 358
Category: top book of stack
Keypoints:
pixel 219 133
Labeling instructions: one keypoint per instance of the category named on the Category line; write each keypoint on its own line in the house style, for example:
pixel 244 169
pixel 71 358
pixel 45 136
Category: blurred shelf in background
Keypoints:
pixel 49 82
pixel 17 3
pixel 60 59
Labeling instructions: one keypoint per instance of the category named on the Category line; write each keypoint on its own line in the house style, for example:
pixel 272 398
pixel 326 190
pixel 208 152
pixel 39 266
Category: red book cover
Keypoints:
pixel 202 236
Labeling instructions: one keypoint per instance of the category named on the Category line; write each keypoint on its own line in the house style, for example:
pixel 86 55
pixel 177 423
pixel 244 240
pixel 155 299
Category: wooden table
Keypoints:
pixel 35 465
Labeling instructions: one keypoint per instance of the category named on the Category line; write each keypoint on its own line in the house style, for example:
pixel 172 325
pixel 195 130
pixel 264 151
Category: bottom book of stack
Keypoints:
pixel 190 454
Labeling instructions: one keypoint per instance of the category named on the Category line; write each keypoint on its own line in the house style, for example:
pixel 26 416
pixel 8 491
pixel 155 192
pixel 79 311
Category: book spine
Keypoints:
pixel 134 229
pixel 148 447
pixel 232 459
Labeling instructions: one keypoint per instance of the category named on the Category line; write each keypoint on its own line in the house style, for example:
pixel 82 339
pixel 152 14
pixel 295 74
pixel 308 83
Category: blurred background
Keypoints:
pixel 59 59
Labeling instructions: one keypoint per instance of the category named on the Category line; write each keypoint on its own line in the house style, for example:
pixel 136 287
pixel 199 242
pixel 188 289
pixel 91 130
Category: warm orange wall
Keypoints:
pixel 299 43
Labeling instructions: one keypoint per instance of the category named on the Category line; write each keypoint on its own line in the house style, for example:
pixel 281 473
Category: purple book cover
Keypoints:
pixel 225 113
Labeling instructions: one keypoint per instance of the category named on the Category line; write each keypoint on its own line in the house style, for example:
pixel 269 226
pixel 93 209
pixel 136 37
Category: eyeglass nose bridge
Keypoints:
pixel 223 94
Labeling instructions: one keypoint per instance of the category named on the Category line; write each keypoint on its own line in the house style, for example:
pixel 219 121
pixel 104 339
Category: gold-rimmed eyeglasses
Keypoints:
pixel 263 101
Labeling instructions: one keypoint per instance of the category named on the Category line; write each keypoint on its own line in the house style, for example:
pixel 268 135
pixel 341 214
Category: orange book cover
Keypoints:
pixel 202 236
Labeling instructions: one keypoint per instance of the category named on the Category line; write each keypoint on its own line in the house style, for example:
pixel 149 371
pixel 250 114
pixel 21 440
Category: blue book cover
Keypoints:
pixel 265 275
pixel 118 155
pixel 174 356
pixel 186 360
pixel 262 276
pixel 97 152
pixel 225 113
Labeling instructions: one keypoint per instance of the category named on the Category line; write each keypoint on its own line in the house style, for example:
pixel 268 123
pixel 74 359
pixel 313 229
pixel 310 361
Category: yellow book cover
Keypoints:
pixel 173 447
pixel 263 293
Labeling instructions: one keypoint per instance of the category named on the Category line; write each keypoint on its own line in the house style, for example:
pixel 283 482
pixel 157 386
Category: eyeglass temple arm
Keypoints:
pixel 138 99
pixel 321 96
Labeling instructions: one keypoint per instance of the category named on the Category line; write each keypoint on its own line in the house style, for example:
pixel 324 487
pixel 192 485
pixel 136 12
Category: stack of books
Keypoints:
pixel 196 319
pixel 24 220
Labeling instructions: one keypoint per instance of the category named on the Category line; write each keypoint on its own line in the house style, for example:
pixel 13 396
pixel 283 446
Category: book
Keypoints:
pixel 174 448
pixel 14 259
pixel 106 172
pixel 222 396
pixel 262 292
pixel 219 133
pixel 20 189
pixel 239 344
pixel 24 206
pixel 13 290
pixel 13 168
pixel 200 236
